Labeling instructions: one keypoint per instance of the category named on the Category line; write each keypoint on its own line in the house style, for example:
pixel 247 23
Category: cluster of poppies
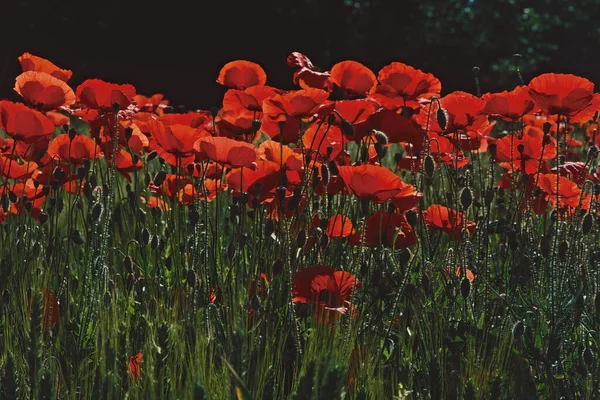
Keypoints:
pixel 267 146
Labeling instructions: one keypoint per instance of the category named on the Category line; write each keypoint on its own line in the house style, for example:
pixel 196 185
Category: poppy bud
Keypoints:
pixel 96 211
pixel 546 128
pixel 588 357
pixel 328 151
pixel 116 106
pixel 194 217
pixel 128 132
pixel 347 128
pixel 324 241
pixel 280 194
pixel 331 119
pixel 154 242
pixel 42 217
pixel 563 248
pixel 441 118
pixel 466 198
pixel 145 236
pixel 429 166
pixel 308 158
pixel 381 150
pixel 281 126
pixel 160 177
pixel 12 196
pixel 465 288
pixel 521 148
pixel 593 150
pixel 151 156
pixel 255 125
pixel 181 109
pixel 81 172
pixel 58 174
pixel 411 217
pixel 169 262
pixel 587 224
pixel 76 237
pixel 128 264
pixel 325 174
pixel 545 245
pixel 269 227
pixel 72 133
pixel 475 71
pixel 398 157
pixel 283 180
pixel 380 137
pixel 277 267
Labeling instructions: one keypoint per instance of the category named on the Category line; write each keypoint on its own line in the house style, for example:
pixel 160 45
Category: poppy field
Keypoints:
pixel 363 236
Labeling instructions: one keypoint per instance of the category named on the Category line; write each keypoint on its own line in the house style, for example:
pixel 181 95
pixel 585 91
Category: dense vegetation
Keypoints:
pixel 364 236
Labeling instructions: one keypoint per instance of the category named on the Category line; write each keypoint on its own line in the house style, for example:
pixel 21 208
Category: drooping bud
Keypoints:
pixel 429 166
pixel 466 198
pixel 347 127
pixel 440 115
pixel 159 178
pixel 587 224
pixel 380 136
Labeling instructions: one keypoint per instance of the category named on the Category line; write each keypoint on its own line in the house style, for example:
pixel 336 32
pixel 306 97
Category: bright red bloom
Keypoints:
pixel 510 106
pixel 326 289
pixel 155 202
pixel 338 225
pixel 568 192
pixel 188 193
pixel 407 198
pixel 265 177
pixel 57 118
pixel 23 123
pixel 397 128
pixel 444 151
pixel 174 134
pixel 563 94
pixel 100 95
pixel 50 309
pixel 13 169
pixel 438 217
pixel 356 113
pixel 321 136
pixel 353 78
pixel 385 229
pixel 153 103
pixel 458 271
pixel 307 76
pixel 289 109
pixel 507 150
pixel 400 84
pixel 228 151
pixel 133 365
pixel 43 91
pixel 463 113
pixel 241 74
pixel 29 62
pixel 74 151
pixel 371 182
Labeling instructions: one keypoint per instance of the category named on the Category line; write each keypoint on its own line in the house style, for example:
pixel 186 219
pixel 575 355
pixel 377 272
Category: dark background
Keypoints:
pixel 177 47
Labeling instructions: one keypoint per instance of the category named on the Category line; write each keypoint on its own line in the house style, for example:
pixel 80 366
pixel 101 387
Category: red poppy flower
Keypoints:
pixel 438 217
pixel 507 150
pixel 174 135
pixel 50 309
pixel 338 225
pixel 397 128
pixel 171 185
pixel 353 78
pixel 124 163
pixel 133 365
pixel 13 169
pixel 510 106
pixel 29 62
pixel 188 194
pixel 35 195
pixel 43 91
pixel 74 151
pixel 100 95
pixel 248 102
pixel 563 94
pixel 258 182
pixel 150 104
pixel 401 85
pixel 258 287
pixel 326 289
pixel 385 229
pixel 242 74
pixel 289 109
pixel 23 123
pixel 155 202
pixel 463 113
pixel 458 271
pixel 307 76
pixel 57 118
pixel 568 192
pixel 407 198
pixel 371 182
pixel 444 151
pixel 323 140
pixel 356 113
pixel 577 171
pixel 227 151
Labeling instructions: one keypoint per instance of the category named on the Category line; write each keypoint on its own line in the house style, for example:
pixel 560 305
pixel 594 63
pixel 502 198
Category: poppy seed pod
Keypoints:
pixel 592 151
pixel 347 128
pixel 58 174
pixel 116 106
pixel 42 217
pixel 563 248
pixel 407 112
pixel 214 111
pixel 411 217
pixel 546 127
pixel 465 288
pixel 476 71
pixel 301 239
pixel 331 119
pixel 159 178
pixel 429 166
pixel 280 194
pixel 12 196
pixel 380 137
pixel 325 174
pixel 151 156
pixel 333 169
pixel 145 236
pixel 442 120
pixel 587 223
pixel 255 125
pixel 466 198
pixel 521 148
pixel 128 132
pixel 72 133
